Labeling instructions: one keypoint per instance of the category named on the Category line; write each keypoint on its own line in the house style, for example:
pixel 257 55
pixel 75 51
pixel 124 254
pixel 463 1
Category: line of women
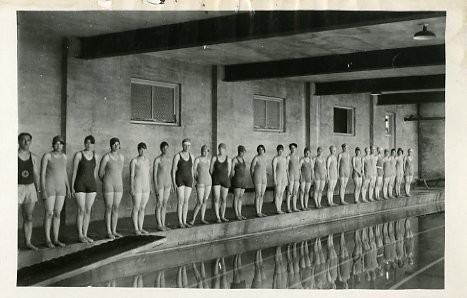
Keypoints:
pixel 179 174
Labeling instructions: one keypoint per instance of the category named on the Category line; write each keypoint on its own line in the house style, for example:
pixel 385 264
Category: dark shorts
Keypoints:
pixel 85 185
pixel 223 180
pixel 183 180
pixel 238 182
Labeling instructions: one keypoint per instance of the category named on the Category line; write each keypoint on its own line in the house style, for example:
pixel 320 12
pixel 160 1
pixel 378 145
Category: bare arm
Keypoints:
pixel 96 169
pixel 132 176
pixel 229 164
pixel 67 183
pixel 76 161
pixel 44 162
pixel 274 165
pixel 234 163
pixel 192 167
pixel 174 168
pixel 211 166
pixel 339 158
pixel 102 165
pixel 37 179
pixel 252 167
pixel 154 174
pixel 328 165
pixel 313 168
pixel 195 166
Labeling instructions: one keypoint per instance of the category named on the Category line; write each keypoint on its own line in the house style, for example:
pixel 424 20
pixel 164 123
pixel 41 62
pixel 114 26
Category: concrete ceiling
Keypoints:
pixel 339 41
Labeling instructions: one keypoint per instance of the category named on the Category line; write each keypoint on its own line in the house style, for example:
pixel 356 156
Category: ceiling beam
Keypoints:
pixel 234 28
pixel 409 83
pixel 420 118
pixel 359 61
pixel 410 98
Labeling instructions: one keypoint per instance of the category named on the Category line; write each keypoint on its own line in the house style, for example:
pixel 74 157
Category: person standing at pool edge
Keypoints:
pixel 238 180
pixel 203 183
pixel 357 174
pixel 331 166
pixel 182 178
pixel 28 184
pixel 140 187
pixel 320 176
pixel 220 170
pixel 54 182
pixel 306 178
pixel 83 186
pixel 259 178
pixel 279 174
pixel 163 186
pixel 343 168
pixel 110 173
pixel 408 171
pixel 293 172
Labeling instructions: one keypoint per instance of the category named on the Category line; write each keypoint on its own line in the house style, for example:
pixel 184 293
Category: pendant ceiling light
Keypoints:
pixel 425 34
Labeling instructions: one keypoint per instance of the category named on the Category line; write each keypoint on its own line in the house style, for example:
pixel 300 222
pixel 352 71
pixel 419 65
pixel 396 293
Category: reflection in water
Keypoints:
pixel 376 256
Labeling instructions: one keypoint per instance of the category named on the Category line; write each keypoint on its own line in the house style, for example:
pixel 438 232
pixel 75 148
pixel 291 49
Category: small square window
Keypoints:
pixel 268 113
pixel 344 120
pixel 155 102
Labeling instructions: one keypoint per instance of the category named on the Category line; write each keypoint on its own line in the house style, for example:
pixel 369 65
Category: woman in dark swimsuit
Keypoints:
pixel 83 183
pixel 203 183
pixel 306 174
pixel 237 176
pixel 220 169
pixel 320 174
pixel 182 178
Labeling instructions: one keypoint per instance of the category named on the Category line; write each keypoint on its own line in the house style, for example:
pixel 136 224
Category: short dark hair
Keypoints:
pixel 24 134
pixel 113 141
pixel 279 147
pixel 90 138
pixel 306 149
pixel 259 147
pixel 241 149
pixel 357 149
pixel 163 144
pixel 293 144
pixel 400 150
pixel 142 145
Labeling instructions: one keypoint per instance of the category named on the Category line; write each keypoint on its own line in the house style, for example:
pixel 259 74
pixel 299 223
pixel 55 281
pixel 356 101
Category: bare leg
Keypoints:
pixel 134 212
pixel 278 198
pixel 159 203
pixel 185 204
pixel 240 203
pixel 164 206
pixel 366 183
pixel 80 202
pixel 289 195
pixel 296 185
pixel 398 185
pixel 263 190
pixel 321 189
pixel 408 181
pixel 90 198
pixel 205 202
pixel 27 210
pixel 109 202
pixel 371 189
pixel 224 193
pixel 216 189
pixel 200 196
pixel 331 186
pixel 391 187
pixel 316 192
pixel 142 208
pixel 343 184
pixel 378 186
pixel 59 200
pixel 181 200
pixel 358 188
pixel 49 212
pixel 385 187
pixel 302 195
pixel 257 197
pixel 117 200
pixel 236 200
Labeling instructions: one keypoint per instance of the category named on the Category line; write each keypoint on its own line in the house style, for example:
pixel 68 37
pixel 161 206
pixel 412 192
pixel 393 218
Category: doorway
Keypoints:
pixel 390 130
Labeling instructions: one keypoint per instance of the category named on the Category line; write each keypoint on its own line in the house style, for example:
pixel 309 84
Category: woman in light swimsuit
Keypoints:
pixel 293 177
pixel 357 256
pixel 408 171
pixel 367 161
pixel 306 174
pixel 319 265
pixel 220 169
pixel 320 172
pixel 54 183
pixel 238 282
pixel 238 178
pixel 372 172
pixel 393 173
pixel 293 267
pixel 279 173
pixel 140 187
pixel 399 171
pixel 182 178
pixel 279 278
pixel 332 262
pixel 331 165
pixel 203 183
pixel 162 184
pixel 379 174
pixel 259 277
pixel 386 173
pixel 83 183
pixel 110 173
pixel 343 168
pixel 258 175
pixel 357 173
pixel 306 271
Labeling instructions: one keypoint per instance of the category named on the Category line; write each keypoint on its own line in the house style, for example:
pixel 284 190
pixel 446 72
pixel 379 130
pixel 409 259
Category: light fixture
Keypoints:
pixel 375 93
pixel 425 34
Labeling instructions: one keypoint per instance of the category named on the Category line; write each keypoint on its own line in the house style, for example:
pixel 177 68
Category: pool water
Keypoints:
pixel 385 252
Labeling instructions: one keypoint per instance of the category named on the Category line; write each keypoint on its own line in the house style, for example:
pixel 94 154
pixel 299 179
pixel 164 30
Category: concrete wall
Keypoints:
pixel 432 134
pixel 99 104
pixel 39 92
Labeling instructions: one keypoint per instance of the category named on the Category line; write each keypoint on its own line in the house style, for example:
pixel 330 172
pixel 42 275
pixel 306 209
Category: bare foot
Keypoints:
pixel 344 203
pixel 296 210
pixel 83 239
pixel 181 226
pixel 161 229
pixel 364 201
pixel 144 231
pixel 188 225
pixel 204 221
pixel 192 223
pixel 90 240
pixel 167 229
pixel 332 204
pixel 239 218
pixel 259 215
pixel 264 214
pixel 31 246
pixel 110 236
pixel 243 217
pixel 409 195
pixel 289 211
pixel 225 219
pixel 137 232
pixel 219 220
pixel 58 243
pixel 280 212
pixel 118 235
pixel 49 244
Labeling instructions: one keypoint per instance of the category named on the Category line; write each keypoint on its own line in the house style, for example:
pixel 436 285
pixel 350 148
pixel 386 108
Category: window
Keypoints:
pixel 268 113
pixel 344 120
pixel 389 123
pixel 155 102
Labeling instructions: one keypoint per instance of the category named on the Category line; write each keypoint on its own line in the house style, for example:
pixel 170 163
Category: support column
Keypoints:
pixel 214 77
pixel 308 114
pixel 314 113
pixel 63 111
pixel 373 100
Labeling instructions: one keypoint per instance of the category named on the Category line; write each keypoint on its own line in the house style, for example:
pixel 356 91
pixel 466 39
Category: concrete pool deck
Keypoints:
pixel 432 200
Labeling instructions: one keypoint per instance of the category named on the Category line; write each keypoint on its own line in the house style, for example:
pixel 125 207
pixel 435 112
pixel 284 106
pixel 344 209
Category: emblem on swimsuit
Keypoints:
pixel 25 174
